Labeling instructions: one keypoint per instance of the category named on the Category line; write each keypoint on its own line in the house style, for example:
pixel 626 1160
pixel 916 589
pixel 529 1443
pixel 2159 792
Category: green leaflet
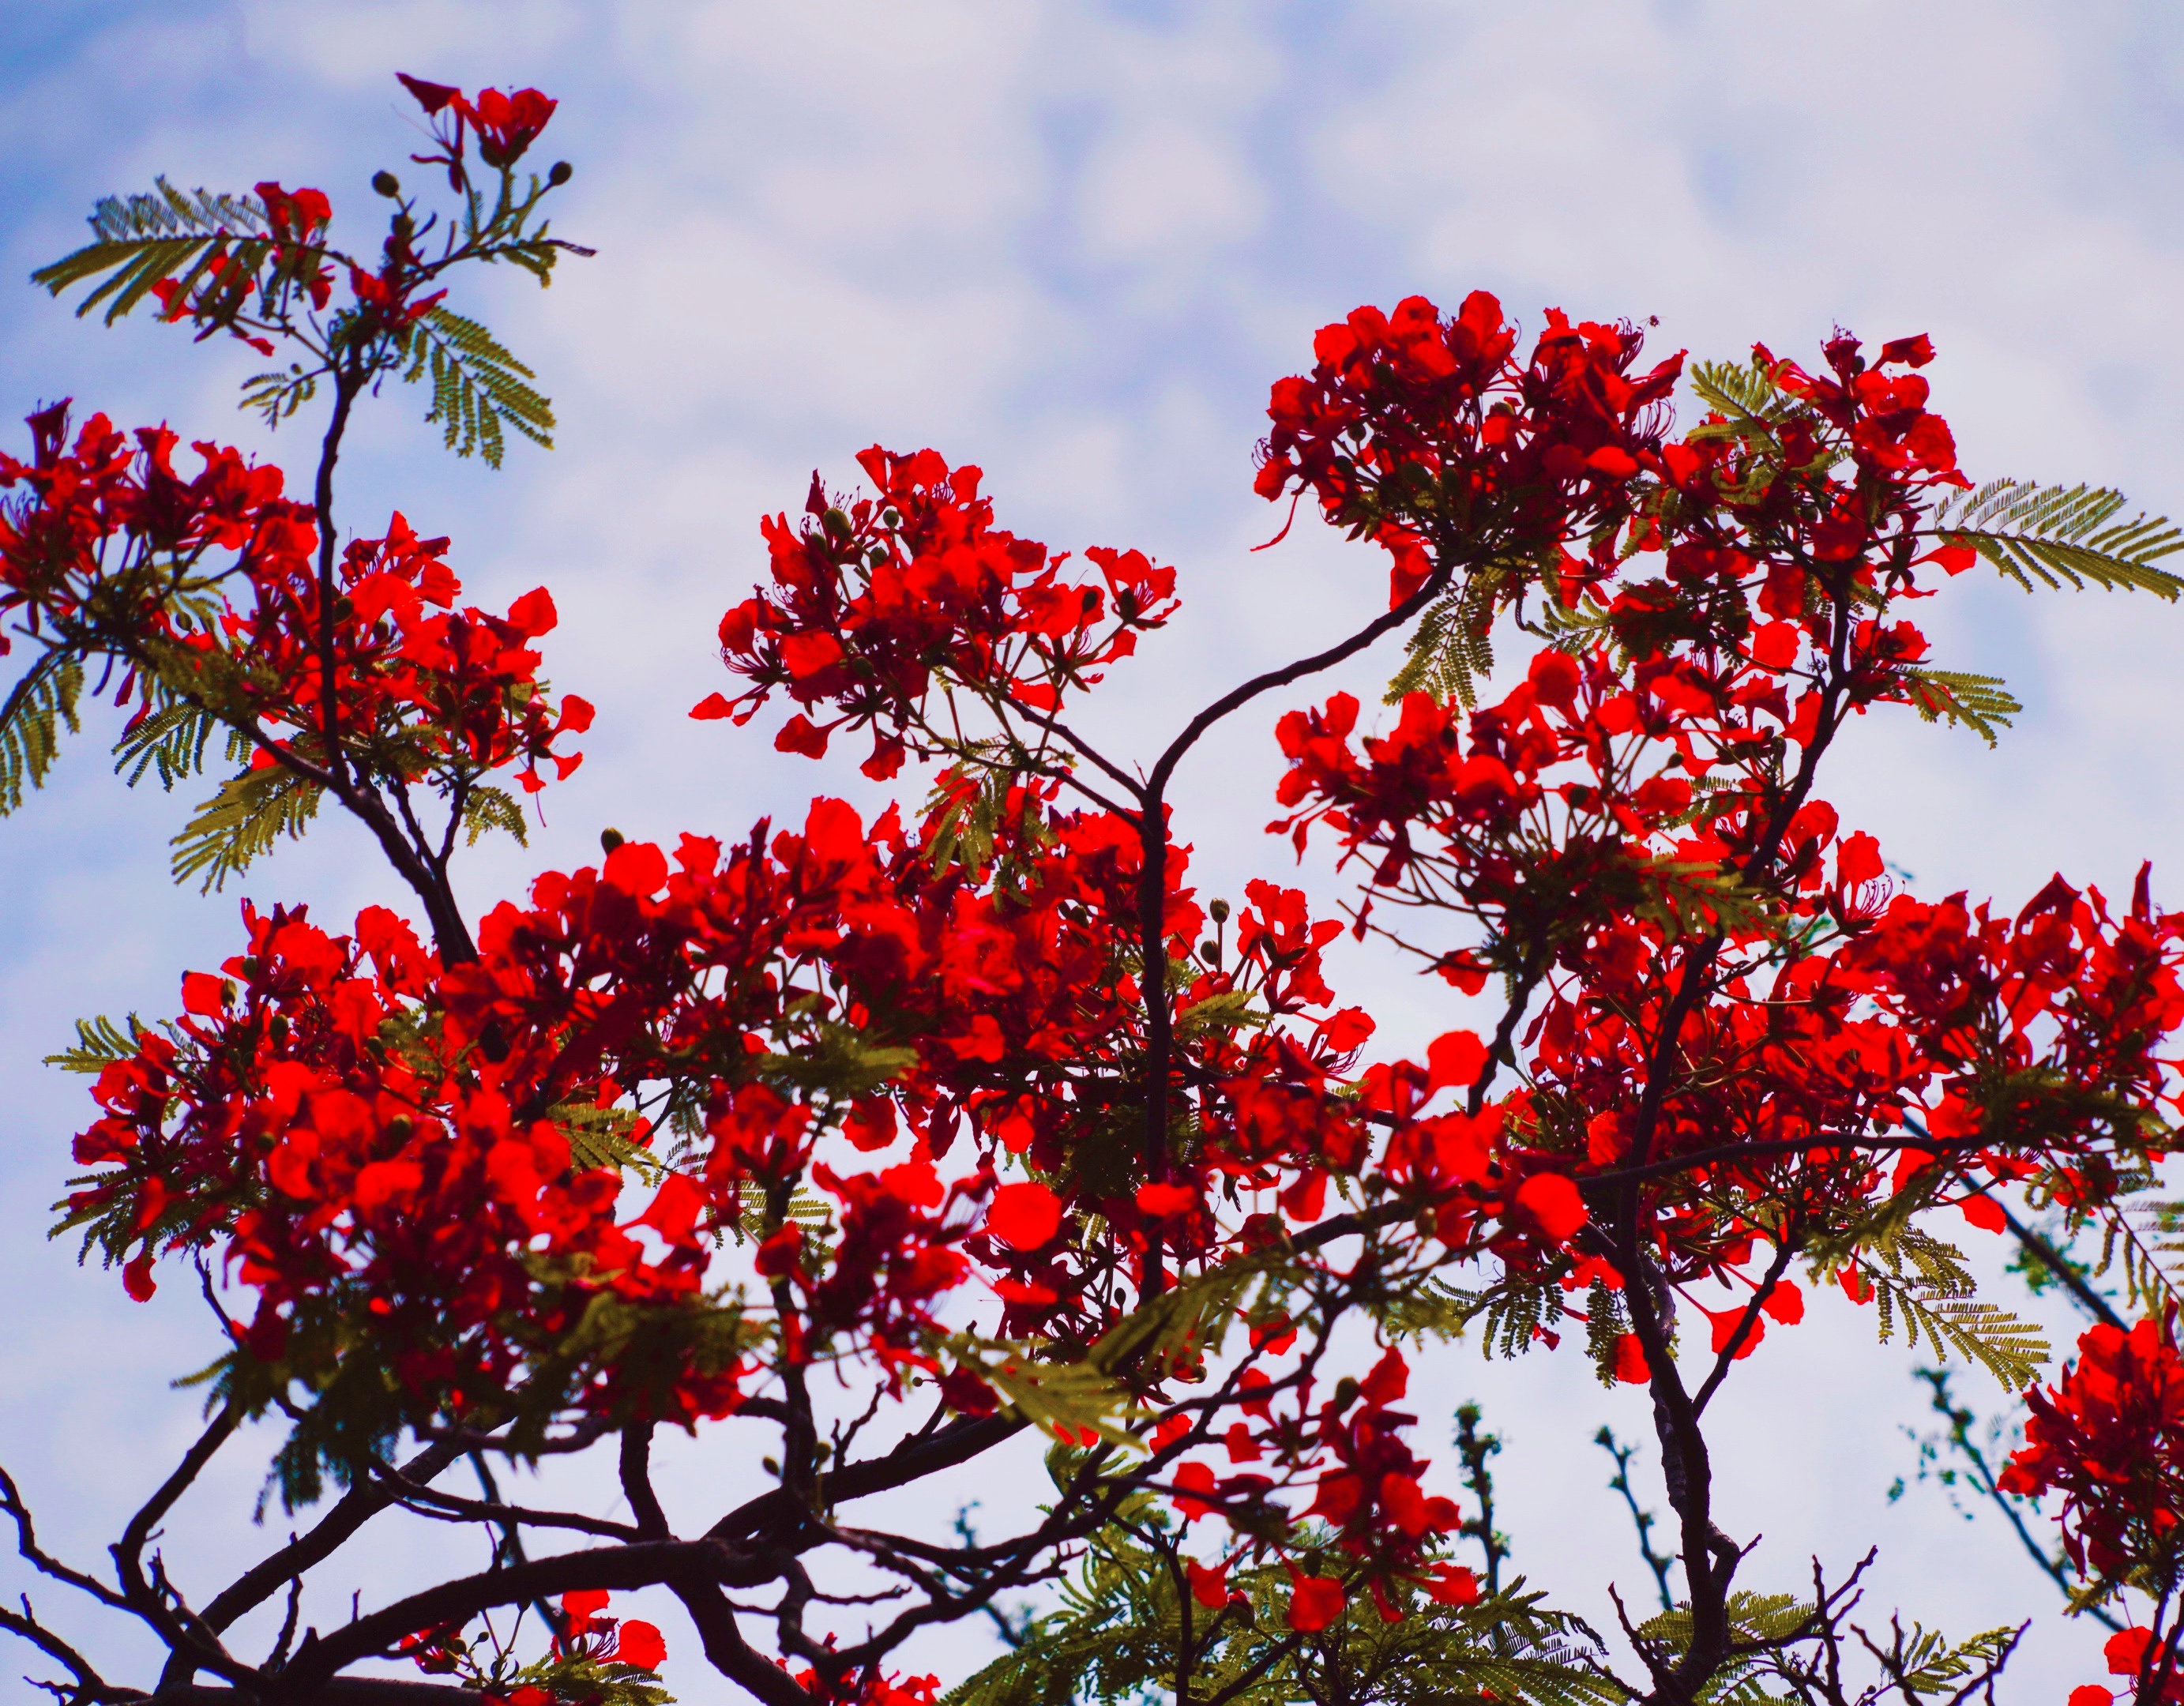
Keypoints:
pixel 1431 1309
pixel 1070 1402
pixel 812 1212
pixel 1452 645
pixel 486 807
pixel 1924 1282
pixel 2138 1246
pixel 1514 1312
pixel 1754 1619
pixel 839 1061
pixel 1977 702
pixel 241 822
pixel 138 240
pixel 1915 1663
pixel 31 721
pixel 964 825
pixel 477 387
pixel 1229 1011
pixel 600 1137
pixel 1122 1623
pixel 171 742
pixel 1606 1321
pixel 2064 536
pixel 1186 1322
pixel 582 1682
pixel 1740 390
pixel 99 1042
pixel 1691 898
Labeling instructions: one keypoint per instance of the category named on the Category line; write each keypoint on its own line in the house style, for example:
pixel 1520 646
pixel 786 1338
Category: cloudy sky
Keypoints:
pixel 1074 243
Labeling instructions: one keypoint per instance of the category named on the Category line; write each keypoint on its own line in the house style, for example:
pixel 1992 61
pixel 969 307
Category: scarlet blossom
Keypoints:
pixel 639 1644
pixel 2109 1436
pixel 1025 1215
pixel 1552 1201
pixel 1315 1601
pixel 508 124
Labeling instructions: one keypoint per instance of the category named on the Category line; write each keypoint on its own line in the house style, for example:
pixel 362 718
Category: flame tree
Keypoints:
pixel 873 1146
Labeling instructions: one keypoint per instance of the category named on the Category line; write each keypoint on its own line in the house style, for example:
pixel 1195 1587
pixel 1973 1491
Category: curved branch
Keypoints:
pixel 646 1564
pixel 130 1549
pixel 262 1580
pixel 1152 879
pixel 636 1482
pixel 958 1442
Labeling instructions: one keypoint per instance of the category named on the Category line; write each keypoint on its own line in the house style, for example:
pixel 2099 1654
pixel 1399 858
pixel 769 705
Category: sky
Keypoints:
pixel 1074 243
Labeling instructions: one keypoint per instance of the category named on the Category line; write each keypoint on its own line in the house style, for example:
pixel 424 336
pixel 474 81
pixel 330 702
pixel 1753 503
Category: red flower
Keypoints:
pixel 639 1644
pixel 1315 1601
pixel 2109 1436
pixel 507 125
pixel 1552 1202
pixel 1026 1216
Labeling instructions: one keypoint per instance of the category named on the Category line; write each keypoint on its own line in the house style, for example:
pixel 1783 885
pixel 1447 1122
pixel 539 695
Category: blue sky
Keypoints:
pixel 1074 243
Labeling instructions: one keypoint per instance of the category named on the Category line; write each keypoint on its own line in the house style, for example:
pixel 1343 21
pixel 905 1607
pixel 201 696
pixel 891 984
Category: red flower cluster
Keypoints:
pixel 506 125
pixel 1425 432
pixel 449 690
pixel 1625 800
pixel 873 605
pixel 1000 1066
pixel 107 531
pixel 2109 1437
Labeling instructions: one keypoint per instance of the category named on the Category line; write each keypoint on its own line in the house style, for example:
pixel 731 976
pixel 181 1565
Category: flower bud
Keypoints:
pixel 386 183
pixel 611 839
pixel 1218 910
pixel 560 173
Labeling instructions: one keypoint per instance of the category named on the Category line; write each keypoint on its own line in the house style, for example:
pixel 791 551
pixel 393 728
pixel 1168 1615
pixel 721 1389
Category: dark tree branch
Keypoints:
pixel 646 1564
pixel 262 1580
pixel 955 1442
pixel 636 1482
pixel 129 1550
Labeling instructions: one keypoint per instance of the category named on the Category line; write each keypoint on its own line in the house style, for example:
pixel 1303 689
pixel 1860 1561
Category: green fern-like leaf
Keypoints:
pixel 1740 390
pixel 1925 1284
pixel 1117 1632
pixel 1924 1662
pixel 1511 1314
pixel 241 822
pixel 1977 702
pixel 36 709
pixel 1691 898
pixel 99 1042
pixel 2141 1242
pixel 487 808
pixel 1188 1321
pixel 170 742
pixel 276 395
pixel 1066 1400
pixel 811 1212
pixel 2064 536
pixel 600 1137
pixel 1232 1010
pixel 477 387
pixel 138 240
pixel 170 212
pixel 1431 1309
pixel 1452 647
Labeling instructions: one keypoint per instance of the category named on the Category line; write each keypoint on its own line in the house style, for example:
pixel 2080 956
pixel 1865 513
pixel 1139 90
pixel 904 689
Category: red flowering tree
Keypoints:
pixel 888 1143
